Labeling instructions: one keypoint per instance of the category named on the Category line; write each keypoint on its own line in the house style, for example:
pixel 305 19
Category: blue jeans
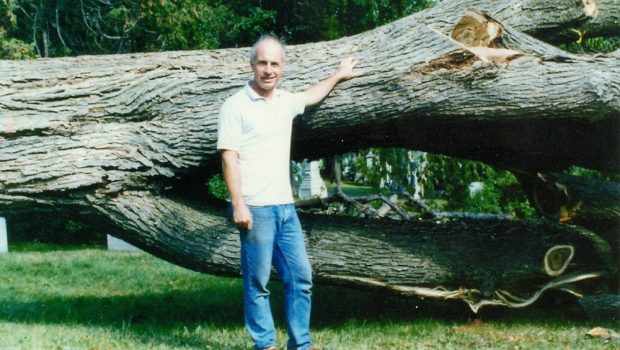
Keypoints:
pixel 276 238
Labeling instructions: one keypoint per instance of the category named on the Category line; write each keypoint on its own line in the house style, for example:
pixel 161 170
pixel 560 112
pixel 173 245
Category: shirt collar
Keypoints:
pixel 253 95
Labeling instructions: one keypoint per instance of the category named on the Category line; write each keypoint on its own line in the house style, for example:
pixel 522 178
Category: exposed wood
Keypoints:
pixel 476 29
pixel 388 206
pixel 391 203
pixel 359 202
pixel 472 216
pixel 557 259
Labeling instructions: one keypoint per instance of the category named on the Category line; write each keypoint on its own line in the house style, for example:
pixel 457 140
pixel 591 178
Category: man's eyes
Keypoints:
pixel 263 64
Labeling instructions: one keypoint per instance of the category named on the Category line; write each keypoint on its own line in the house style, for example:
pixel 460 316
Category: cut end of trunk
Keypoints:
pixel 476 29
pixel 478 33
pixel 590 8
pixel 557 259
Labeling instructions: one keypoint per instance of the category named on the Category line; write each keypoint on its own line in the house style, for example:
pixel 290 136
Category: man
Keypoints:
pixel 254 137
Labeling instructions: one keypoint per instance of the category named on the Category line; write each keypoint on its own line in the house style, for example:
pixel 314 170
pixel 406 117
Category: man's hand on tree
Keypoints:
pixel 346 70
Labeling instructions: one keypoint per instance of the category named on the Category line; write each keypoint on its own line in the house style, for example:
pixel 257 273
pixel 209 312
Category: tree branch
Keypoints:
pixel 58 29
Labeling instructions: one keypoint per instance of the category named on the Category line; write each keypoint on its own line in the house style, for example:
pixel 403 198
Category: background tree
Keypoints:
pixel 77 27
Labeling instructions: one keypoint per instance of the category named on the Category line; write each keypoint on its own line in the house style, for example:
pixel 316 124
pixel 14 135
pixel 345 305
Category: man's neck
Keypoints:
pixel 267 94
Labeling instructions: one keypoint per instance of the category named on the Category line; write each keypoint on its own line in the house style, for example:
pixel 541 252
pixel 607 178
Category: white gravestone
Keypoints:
pixel 4 242
pixel 311 183
pixel 475 188
pixel 118 245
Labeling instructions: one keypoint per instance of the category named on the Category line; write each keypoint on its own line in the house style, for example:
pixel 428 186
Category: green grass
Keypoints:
pixel 57 298
pixel 350 189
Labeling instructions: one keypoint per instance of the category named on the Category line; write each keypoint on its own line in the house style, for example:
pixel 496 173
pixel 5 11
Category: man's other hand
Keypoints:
pixel 242 217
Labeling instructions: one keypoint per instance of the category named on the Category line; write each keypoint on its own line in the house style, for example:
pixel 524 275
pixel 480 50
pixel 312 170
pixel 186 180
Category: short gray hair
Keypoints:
pixel 260 40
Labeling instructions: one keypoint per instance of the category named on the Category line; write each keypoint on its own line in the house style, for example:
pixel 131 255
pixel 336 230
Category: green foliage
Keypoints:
pixel 484 201
pixel 385 169
pixel 15 49
pixel 178 25
pixel 217 187
pixel 443 182
pixel 595 44
pixel 603 45
pixel 60 227
pixel 309 21
pixel 450 178
pixel 73 226
pixel 245 29
pixel 593 174
pixel 76 27
pixel 12 48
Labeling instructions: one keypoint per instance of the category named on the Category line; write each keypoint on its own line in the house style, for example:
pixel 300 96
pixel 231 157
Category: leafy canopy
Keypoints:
pixel 34 28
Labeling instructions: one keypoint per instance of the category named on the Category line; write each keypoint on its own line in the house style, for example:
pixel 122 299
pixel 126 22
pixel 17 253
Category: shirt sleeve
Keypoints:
pixel 298 103
pixel 229 128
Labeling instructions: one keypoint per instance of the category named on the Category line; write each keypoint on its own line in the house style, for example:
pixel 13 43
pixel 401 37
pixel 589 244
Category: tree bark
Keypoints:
pixel 125 137
pixel 478 258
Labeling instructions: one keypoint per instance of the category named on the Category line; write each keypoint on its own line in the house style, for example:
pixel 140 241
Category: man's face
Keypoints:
pixel 268 66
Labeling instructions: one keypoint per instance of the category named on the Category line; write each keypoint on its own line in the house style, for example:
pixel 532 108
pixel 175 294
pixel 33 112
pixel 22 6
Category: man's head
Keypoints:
pixel 267 61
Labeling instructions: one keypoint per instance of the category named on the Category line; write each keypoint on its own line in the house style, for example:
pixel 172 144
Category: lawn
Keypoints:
pixel 87 298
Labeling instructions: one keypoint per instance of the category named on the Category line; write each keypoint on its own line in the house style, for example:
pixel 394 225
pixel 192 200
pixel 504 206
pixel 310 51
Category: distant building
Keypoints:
pixel 118 245
pixel 311 183
pixel 4 242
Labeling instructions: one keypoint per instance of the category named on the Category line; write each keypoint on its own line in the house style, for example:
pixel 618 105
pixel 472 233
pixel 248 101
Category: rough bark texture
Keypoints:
pixel 120 136
pixel 486 256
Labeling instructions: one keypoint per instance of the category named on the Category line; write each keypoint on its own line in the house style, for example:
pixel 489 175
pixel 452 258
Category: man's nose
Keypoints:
pixel 268 69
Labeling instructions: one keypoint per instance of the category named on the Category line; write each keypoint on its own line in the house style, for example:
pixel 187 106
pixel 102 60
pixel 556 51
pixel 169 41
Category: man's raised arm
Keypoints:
pixel 316 93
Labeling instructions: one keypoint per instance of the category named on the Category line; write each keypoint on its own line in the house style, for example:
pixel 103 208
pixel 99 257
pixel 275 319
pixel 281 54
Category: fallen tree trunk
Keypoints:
pixel 473 260
pixel 112 134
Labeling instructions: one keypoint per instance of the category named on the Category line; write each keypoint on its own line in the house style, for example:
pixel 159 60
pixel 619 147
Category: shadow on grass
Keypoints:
pixel 158 309
pixel 335 306
pixel 221 306
pixel 159 318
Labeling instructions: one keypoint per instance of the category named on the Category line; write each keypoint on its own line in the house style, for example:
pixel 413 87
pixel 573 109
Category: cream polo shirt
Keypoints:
pixel 260 131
